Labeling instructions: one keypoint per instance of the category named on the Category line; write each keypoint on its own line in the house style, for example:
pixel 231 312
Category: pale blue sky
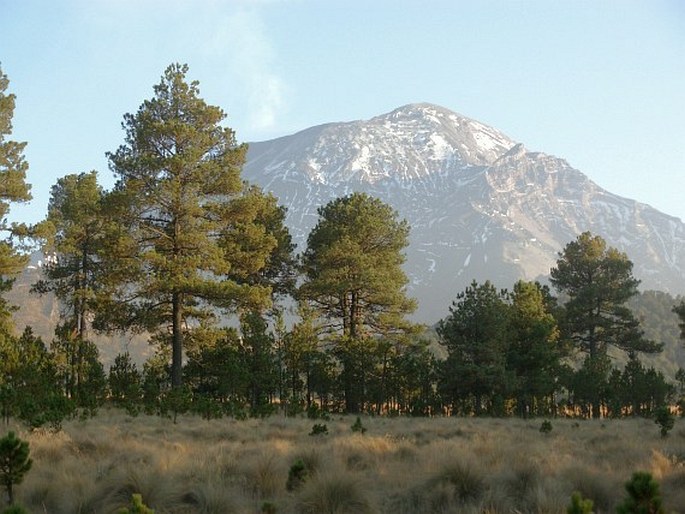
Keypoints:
pixel 600 83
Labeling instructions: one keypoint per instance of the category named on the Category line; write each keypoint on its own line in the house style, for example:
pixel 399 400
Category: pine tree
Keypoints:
pixel 300 350
pixel 13 188
pixel 476 336
pixel 191 238
pixel 30 382
pixel 74 233
pixel 534 351
pixel 598 281
pixel 258 345
pixel 354 277
pixel 14 463
pixel 643 496
pixel 125 383
pixel 680 311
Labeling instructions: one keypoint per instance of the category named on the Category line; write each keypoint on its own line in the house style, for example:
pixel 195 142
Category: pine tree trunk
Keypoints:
pixel 176 342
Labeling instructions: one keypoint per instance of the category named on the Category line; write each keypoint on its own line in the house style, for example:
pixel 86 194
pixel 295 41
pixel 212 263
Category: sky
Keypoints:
pixel 598 83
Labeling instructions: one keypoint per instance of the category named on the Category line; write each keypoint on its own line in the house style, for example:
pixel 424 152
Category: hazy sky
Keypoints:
pixel 599 83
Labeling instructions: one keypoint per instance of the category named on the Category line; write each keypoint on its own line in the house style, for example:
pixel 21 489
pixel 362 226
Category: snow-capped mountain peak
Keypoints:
pixel 481 206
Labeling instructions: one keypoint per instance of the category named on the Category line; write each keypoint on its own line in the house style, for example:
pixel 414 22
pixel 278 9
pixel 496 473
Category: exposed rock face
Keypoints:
pixel 480 205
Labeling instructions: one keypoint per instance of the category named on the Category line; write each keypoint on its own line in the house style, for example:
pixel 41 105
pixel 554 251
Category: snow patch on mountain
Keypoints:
pixel 480 205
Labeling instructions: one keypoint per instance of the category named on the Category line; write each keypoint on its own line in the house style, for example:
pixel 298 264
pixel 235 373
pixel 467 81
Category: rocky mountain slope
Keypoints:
pixel 481 206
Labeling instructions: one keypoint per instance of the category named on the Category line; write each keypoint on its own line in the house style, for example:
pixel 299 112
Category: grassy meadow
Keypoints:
pixel 401 465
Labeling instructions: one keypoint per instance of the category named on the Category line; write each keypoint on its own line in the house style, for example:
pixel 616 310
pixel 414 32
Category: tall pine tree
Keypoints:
pixel 74 230
pixel 354 277
pixel 190 238
pixel 598 281
pixel 13 188
pixel 475 333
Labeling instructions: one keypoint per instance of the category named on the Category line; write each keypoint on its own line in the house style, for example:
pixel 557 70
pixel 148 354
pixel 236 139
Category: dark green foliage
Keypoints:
pixel 598 281
pixel 14 462
pixel 176 401
pixel 358 427
pixel 258 344
pixel 136 507
pixel 303 362
pixel 79 369
pixel 636 391
pixel 643 496
pixel 680 311
pixel 208 408
pixel 546 427
pixel 579 505
pixel 268 508
pixel 30 385
pixel 665 419
pixel 354 278
pixel 412 377
pixel 316 412
pixel 654 309
pixel 589 385
pixel 156 382
pixel 189 237
pixel 15 509
pixel 218 373
pixel 534 349
pixel 319 429
pixel 297 475
pixel 73 235
pixel 680 378
pixel 13 188
pixel 232 372
pixel 125 384
pixel 475 377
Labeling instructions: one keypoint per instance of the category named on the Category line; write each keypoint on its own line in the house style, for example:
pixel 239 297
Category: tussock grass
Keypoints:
pixel 400 466
pixel 335 493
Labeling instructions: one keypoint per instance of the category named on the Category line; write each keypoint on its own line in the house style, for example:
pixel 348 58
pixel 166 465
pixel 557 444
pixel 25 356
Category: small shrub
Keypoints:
pixel 207 408
pixel 268 508
pixel 579 505
pixel 664 419
pixel 546 427
pixel 297 475
pixel 14 462
pixel 319 429
pixel 358 427
pixel 316 412
pixel 137 506
pixel 643 496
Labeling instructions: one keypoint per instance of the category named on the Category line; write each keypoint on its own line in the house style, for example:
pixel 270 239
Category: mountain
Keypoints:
pixel 481 206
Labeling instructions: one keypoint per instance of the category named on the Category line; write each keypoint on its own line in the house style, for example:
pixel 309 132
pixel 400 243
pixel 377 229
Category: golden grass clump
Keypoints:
pixel 400 466
pixel 335 493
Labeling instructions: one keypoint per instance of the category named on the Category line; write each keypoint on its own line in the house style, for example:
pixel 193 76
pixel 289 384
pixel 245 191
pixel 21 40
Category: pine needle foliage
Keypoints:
pixel 644 496
pixel 190 236
pixel 579 505
pixel 13 187
pixel 14 463
pixel 137 506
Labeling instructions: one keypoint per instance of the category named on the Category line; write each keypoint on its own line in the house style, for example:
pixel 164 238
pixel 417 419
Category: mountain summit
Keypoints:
pixel 480 205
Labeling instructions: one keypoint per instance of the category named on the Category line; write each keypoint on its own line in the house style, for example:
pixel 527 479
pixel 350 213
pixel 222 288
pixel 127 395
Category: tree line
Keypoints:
pixel 181 244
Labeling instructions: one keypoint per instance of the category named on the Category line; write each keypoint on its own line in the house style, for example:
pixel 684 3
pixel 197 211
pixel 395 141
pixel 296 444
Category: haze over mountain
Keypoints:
pixel 480 205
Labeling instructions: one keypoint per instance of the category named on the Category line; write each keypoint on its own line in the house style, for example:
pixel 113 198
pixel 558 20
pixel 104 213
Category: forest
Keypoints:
pixel 201 264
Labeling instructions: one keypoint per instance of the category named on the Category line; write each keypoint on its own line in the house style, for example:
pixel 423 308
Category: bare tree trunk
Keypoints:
pixel 176 342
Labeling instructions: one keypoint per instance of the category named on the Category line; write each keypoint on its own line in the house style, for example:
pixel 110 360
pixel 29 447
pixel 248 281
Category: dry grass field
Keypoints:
pixel 442 465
